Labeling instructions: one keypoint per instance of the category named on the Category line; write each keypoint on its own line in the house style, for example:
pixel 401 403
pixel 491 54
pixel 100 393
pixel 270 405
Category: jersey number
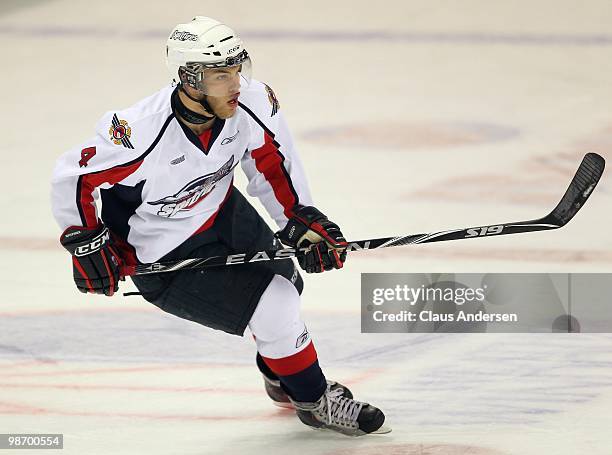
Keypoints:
pixel 86 155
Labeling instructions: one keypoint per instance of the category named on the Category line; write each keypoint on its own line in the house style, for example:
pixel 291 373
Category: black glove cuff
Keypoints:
pixel 293 231
pixel 308 214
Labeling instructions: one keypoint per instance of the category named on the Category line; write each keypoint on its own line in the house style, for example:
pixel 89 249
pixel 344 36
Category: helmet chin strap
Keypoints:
pixel 191 116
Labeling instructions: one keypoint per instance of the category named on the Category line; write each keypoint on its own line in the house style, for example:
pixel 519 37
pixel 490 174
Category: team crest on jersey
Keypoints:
pixel 273 100
pixel 194 192
pixel 120 132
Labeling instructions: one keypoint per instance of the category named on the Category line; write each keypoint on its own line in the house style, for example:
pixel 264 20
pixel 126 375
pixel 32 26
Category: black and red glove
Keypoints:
pixel 95 263
pixel 309 228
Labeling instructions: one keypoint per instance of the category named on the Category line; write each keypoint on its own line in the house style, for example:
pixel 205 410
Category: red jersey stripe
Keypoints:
pixel 89 182
pixel 270 162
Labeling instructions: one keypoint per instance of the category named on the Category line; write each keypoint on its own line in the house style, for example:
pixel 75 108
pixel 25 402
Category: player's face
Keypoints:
pixel 223 88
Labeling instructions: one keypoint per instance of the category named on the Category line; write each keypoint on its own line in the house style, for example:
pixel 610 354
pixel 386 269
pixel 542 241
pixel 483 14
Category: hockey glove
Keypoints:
pixel 95 263
pixel 309 228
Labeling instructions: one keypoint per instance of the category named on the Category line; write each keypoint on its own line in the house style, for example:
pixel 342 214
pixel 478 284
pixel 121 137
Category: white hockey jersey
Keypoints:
pixel 160 183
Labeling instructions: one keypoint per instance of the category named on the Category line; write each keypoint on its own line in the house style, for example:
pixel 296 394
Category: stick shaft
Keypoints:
pixel 586 178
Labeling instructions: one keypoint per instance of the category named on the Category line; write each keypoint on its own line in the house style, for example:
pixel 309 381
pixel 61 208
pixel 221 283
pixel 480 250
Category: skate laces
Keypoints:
pixel 340 410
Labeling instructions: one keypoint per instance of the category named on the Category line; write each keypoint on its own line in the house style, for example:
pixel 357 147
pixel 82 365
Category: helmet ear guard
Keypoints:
pixel 191 116
pixel 189 77
pixel 217 79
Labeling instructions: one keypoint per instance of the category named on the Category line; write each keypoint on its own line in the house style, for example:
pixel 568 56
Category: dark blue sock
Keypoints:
pixel 308 385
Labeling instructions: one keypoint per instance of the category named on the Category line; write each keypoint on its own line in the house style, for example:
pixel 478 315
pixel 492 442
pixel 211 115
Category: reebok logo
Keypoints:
pixel 178 160
pixel 302 338
pixel 230 139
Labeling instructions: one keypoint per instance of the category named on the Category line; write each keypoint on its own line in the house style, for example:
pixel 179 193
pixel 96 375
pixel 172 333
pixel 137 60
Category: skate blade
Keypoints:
pixel 283 405
pixel 382 430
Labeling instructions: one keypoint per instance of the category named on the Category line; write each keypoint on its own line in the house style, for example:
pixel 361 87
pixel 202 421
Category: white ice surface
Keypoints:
pixel 428 115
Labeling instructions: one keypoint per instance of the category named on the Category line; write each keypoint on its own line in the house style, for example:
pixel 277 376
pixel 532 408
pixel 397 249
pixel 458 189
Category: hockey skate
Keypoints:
pixel 280 398
pixel 342 414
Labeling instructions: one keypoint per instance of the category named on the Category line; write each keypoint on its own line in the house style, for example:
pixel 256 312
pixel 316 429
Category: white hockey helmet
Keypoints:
pixel 200 49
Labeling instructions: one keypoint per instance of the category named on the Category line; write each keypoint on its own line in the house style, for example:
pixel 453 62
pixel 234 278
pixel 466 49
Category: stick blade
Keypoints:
pixel 581 187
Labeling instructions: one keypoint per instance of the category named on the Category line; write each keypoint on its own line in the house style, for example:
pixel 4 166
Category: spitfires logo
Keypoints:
pixel 180 35
pixel 194 192
pixel 273 101
pixel 120 132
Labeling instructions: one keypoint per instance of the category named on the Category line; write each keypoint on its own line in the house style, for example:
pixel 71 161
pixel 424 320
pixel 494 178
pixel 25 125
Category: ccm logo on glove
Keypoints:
pixel 96 265
pixel 94 245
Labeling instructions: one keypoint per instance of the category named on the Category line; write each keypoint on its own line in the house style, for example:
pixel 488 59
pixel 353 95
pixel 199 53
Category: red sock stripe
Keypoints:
pixel 293 364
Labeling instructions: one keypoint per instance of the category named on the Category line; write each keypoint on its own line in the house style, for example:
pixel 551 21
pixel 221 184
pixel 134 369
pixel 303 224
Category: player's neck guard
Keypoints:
pixel 190 116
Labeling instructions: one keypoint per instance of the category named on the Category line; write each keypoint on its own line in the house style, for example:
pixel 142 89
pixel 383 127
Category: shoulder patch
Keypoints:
pixel 273 100
pixel 120 132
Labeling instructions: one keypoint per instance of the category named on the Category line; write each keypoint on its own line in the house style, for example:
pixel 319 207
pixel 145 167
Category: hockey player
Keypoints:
pixel 163 169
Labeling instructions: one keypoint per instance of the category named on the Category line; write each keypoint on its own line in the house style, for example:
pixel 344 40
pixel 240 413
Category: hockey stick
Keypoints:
pixel 580 188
